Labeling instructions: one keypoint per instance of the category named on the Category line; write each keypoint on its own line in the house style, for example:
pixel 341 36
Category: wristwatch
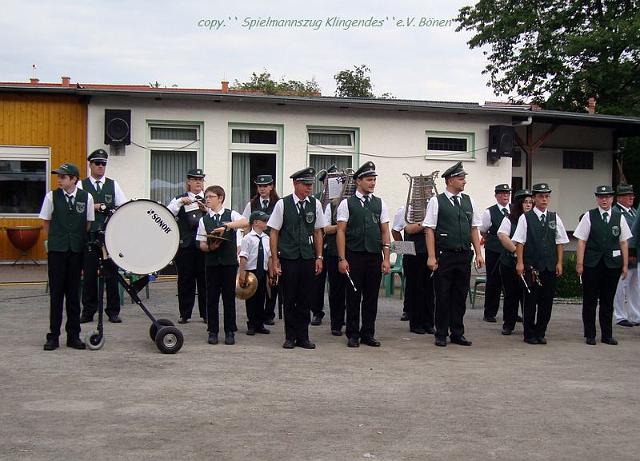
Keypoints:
pixel 320 257
pixel 340 259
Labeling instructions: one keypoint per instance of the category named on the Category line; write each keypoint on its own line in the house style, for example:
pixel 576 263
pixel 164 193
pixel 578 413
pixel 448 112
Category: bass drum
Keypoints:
pixel 141 236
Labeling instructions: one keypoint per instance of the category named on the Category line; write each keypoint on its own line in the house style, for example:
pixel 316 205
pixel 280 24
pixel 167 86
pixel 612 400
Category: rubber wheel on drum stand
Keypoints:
pixel 153 330
pixel 169 340
pixel 94 340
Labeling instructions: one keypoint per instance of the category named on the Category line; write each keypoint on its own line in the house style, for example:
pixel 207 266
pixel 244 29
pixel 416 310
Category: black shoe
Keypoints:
pixel 213 338
pixel 251 331
pixel 317 320
pixel 460 340
pixel 353 342
pixel 489 319
pixel 625 323
pixel 373 342
pixel 430 330
pixel 203 320
pixel 269 322
pixel 229 339
pixel 611 341
pixel 306 344
pixel 441 342
pixel 86 318
pixel 182 321
pixel 590 341
pixel 51 345
pixel 289 344
pixel 418 330
pixel 542 341
pixel 263 331
pixel 337 332
pixel 519 319
pixel 76 343
pixel 404 317
pixel 530 340
pixel 506 331
pixel 115 319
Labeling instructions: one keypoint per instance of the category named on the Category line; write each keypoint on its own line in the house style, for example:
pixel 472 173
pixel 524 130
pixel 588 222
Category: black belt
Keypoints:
pixel 455 250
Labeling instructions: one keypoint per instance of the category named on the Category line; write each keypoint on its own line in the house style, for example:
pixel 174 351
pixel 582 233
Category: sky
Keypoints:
pixel 411 50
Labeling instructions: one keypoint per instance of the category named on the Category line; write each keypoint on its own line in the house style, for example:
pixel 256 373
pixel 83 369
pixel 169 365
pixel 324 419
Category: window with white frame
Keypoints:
pixel 328 147
pixel 450 145
pixel 175 149
pixel 24 179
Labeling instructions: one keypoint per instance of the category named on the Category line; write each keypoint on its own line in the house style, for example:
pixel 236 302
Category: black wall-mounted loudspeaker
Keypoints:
pixel 501 139
pixel 117 126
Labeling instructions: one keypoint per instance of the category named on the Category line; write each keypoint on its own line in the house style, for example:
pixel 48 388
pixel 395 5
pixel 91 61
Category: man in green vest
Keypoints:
pixel 67 214
pixel 451 226
pixel 107 196
pixel 491 219
pixel 221 262
pixel 539 237
pixel 363 241
pixel 601 259
pixel 296 251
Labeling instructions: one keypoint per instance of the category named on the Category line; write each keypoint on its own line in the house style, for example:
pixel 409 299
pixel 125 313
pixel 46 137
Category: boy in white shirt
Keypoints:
pixel 255 256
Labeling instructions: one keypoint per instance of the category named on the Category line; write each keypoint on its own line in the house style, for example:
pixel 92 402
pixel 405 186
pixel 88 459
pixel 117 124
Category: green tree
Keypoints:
pixel 558 53
pixel 354 83
pixel 264 83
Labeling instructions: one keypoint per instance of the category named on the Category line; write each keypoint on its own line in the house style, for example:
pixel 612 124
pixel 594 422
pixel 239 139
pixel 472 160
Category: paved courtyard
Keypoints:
pixel 408 400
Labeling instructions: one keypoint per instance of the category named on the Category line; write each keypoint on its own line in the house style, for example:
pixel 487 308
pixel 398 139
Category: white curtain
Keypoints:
pixel 169 172
pixel 240 181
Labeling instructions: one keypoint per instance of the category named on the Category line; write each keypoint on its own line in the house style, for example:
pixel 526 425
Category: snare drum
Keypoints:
pixel 141 236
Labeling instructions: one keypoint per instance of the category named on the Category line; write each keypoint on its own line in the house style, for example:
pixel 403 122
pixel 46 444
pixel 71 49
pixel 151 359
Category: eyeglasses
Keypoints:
pixel 210 196
pixel 528 202
pixel 99 163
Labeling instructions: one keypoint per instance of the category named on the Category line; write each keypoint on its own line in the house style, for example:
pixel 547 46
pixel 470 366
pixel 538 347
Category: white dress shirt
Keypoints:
pixel 486 217
pixel 247 209
pixel 584 226
pixel 201 236
pixel 399 223
pixel 275 220
pixel 431 219
pixel 47 205
pixel 119 198
pixel 249 249
pixel 343 209
pixel 520 235
pixel 176 203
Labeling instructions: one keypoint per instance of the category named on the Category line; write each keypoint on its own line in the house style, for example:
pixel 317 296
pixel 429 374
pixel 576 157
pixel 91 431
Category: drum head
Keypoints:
pixel 142 236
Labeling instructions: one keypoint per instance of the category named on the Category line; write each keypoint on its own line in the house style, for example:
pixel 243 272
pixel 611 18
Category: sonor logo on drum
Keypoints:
pixel 159 220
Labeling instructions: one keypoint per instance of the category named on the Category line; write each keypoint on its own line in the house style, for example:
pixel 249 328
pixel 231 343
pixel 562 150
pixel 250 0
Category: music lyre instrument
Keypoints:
pixel 344 177
pixel 421 189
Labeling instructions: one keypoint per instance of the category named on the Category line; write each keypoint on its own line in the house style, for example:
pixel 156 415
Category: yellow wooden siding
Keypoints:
pixel 57 122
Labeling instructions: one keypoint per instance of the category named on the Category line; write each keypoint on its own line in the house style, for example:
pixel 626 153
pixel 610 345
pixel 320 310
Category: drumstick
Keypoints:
pixel 525 283
pixel 580 276
pixel 351 280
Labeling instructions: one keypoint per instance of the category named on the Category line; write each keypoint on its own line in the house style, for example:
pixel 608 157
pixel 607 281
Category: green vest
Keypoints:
pixel 331 248
pixel 453 231
pixel 295 240
pixel 630 219
pixel 540 247
pixel 363 227
pixel 493 243
pixel 188 224
pixel 604 239
pixel 107 196
pixel 68 228
pixel 227 253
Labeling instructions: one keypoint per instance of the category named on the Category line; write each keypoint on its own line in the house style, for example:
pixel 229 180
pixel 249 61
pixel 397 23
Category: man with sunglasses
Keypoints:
pixel 107 196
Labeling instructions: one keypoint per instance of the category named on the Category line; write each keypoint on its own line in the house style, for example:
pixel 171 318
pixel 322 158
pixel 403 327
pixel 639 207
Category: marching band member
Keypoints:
pixel 67 214
pixel 296 240
pixel 397 226
pixel 189 208
pixel 363 241
pixel 601 259
pixel 221 261
pixel 107 196
pixel 540 237
pixel 338 283
pixel 452 229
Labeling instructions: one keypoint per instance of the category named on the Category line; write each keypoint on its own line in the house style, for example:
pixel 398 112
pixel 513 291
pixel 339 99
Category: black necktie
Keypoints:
pixel 260 263
pixel 505 212
pixel 301 207
pixel 366 201
pixel 69 202
pixel 98 187
pixel 605 217
pixel 543 219
pixel 265 203
pixel 216 220
pixel 198 197
pixel 455 201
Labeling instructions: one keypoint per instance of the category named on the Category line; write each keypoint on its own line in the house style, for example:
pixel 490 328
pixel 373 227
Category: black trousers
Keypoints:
pixel 64 270
pixel 513 295
pixel 297 288
pixel 418 291
pixel 338 284
pixel 191 275
pixel 538 305
pixel 451 282
pixel 255 304
pixel 366 272
pixel 270 303
pixel 221 280
pixel 90 295
pixel 494 285
pixel 598 284
pixel 317 306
